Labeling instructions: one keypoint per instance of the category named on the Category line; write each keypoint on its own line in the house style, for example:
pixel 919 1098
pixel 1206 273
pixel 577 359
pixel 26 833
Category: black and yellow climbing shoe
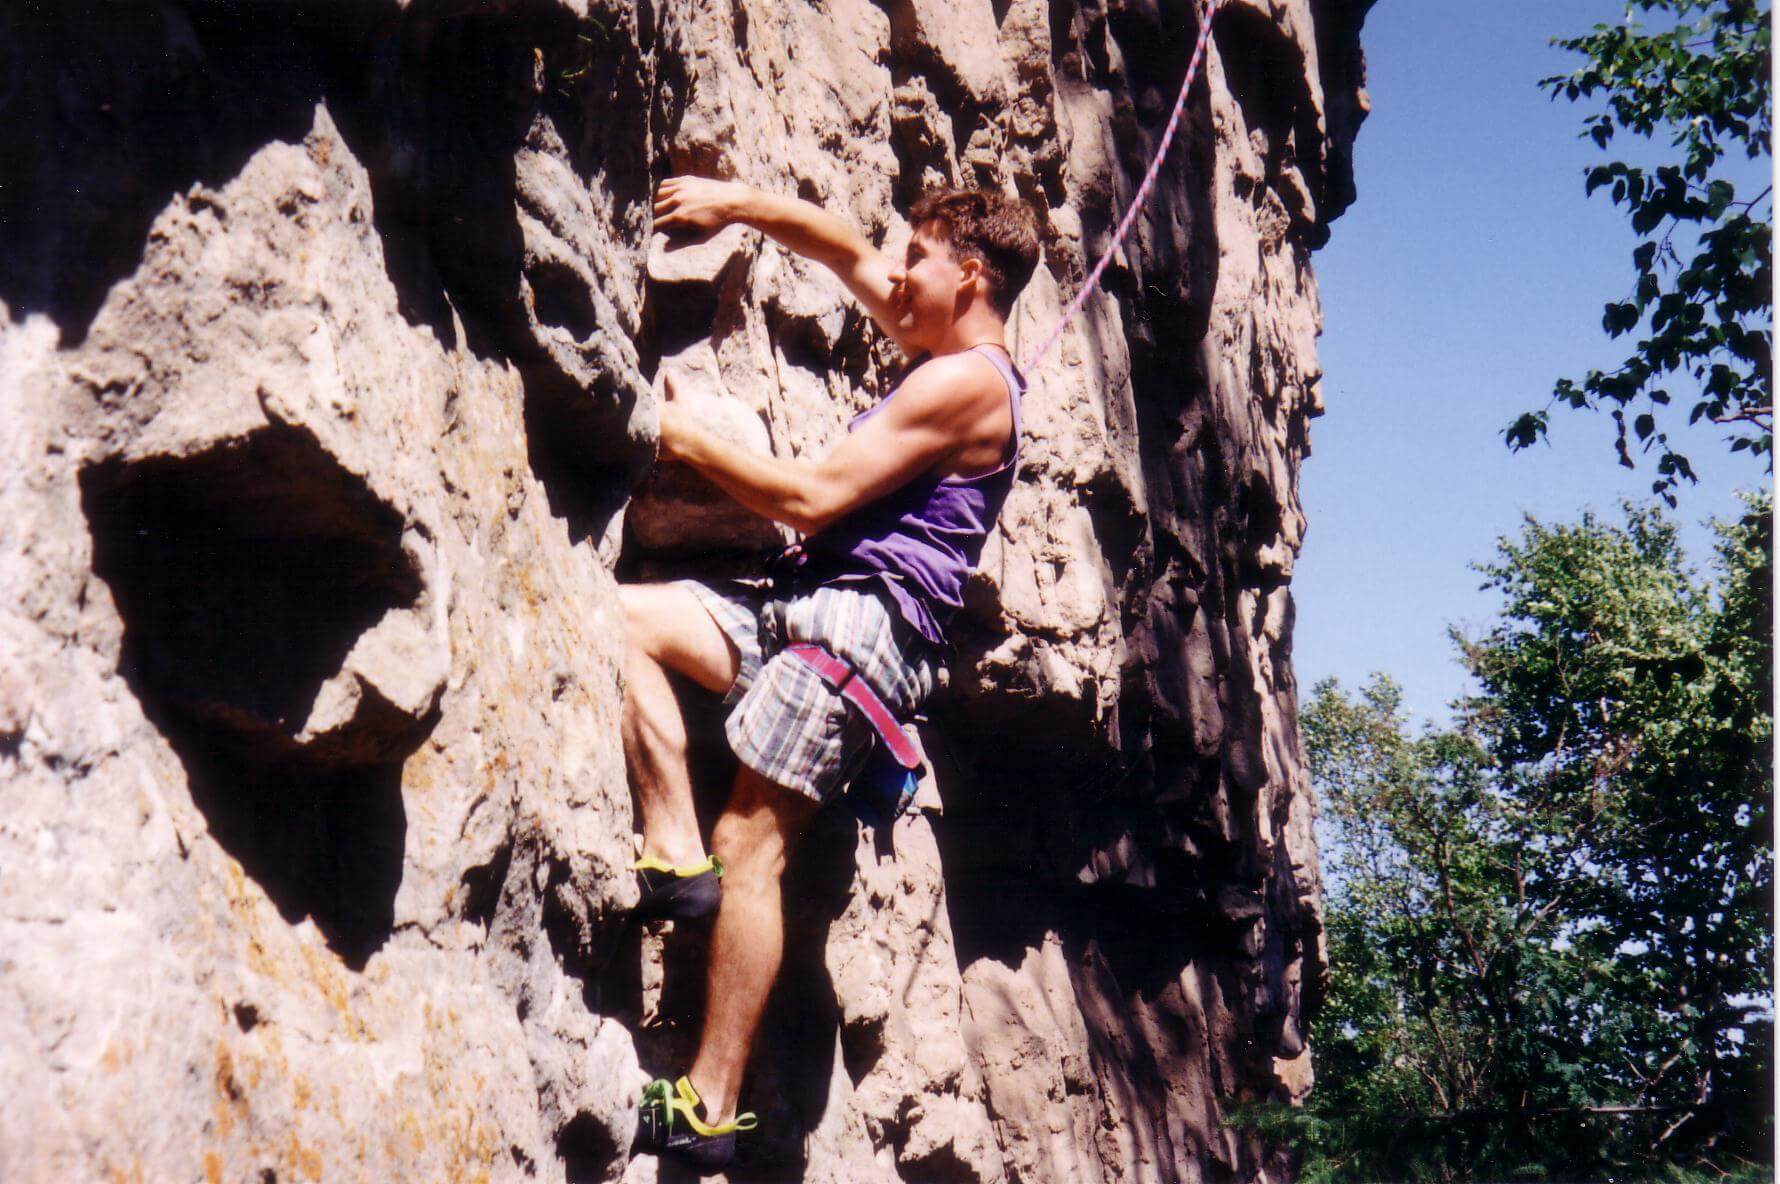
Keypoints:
pixel 670 1124
pixel 679 893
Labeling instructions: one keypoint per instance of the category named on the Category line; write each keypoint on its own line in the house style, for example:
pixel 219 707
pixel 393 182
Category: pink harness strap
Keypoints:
pixel 844 681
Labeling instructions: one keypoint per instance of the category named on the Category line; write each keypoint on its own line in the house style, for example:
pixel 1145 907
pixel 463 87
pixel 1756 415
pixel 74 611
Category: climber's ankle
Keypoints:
pixel 719 1105
pixel 677 849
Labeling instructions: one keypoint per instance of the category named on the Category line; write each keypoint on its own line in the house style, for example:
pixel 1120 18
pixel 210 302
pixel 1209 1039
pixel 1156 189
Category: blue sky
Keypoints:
pixel 1469 275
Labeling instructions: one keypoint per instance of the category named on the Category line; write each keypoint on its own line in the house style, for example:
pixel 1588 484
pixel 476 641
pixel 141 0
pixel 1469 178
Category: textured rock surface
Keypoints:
pixel 330 345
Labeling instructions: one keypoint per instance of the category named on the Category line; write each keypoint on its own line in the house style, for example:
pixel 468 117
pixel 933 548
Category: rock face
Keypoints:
pixel 331 339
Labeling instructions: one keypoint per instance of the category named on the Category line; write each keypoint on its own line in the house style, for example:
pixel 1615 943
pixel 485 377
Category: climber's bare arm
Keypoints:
pixel 697 203
pixel 952 409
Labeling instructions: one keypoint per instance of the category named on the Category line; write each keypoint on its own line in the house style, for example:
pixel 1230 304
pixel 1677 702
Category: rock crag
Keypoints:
pixel 331 343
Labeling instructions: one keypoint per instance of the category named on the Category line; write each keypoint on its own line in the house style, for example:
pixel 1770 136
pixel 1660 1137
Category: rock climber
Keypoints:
pixel 894 519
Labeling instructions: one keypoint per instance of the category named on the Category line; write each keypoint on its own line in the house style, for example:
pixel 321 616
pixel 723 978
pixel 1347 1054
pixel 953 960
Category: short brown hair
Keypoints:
pixel 989 227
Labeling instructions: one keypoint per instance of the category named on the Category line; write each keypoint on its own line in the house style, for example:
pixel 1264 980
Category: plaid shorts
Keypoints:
pixel 785 723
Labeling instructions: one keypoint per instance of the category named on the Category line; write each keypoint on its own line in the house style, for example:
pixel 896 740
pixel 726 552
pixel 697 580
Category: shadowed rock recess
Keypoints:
pixel 331 342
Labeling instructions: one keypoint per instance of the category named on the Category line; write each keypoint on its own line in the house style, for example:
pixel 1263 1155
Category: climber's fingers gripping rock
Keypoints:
pixel 696 204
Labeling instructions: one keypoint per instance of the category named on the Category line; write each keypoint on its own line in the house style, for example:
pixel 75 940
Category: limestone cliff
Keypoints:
pixel 330 337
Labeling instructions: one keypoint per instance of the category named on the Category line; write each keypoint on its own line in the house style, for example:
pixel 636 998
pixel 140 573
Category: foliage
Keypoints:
pixel 1708 316
pixel 1550 925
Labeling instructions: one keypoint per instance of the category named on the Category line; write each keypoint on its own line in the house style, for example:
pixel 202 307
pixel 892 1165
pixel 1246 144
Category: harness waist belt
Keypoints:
pixel 845 682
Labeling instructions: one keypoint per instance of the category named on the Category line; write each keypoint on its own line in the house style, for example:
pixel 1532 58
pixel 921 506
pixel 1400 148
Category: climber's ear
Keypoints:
pixel 970 271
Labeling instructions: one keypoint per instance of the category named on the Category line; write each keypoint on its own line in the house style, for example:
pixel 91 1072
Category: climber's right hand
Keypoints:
pixel 698 203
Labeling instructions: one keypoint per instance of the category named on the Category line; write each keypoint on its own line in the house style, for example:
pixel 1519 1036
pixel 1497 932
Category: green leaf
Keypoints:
pixel 1620 318
pixel 1526 430
pixel 1719 195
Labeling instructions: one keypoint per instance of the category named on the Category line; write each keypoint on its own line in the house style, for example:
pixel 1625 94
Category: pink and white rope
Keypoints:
pixel 1206 11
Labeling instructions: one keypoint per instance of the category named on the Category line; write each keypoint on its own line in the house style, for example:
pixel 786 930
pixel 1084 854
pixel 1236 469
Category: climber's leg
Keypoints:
pixel 757 827
pixel 667 630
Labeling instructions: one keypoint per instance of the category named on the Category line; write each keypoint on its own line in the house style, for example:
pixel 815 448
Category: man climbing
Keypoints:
pixel 895 518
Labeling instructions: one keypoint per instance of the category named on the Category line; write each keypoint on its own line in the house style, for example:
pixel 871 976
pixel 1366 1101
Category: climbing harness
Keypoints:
pixel 844 681
pixel 1207 10
pixel 885 789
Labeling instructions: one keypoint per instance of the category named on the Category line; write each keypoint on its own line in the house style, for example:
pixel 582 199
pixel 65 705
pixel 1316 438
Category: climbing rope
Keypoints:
pixel 1207 10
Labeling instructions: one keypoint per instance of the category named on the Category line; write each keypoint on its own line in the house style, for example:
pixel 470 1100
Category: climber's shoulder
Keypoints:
pixel 957 388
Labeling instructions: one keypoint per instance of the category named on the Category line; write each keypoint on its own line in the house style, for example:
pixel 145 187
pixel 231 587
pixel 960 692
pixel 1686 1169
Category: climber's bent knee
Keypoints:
pixel 666 623
pixel 758 825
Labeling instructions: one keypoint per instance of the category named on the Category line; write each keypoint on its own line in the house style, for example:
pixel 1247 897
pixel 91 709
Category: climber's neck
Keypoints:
pixel 977 325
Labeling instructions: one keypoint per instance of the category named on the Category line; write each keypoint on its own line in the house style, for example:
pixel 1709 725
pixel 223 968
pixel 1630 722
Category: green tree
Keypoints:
pixel 1439 1055
pixel 1550 924
pixel 1636 707
pixel 1702 299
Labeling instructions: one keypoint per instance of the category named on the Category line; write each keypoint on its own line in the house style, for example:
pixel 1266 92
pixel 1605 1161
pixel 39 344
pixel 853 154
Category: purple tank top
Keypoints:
pixel 923 539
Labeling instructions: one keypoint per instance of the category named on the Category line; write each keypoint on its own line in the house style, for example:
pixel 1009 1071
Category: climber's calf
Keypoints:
pixel 666 629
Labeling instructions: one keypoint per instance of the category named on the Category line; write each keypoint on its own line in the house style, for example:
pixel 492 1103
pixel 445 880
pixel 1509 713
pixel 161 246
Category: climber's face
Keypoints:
pixel 932 288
